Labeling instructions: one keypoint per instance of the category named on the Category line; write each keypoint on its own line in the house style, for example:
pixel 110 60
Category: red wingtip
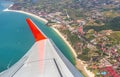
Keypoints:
pixel 38 35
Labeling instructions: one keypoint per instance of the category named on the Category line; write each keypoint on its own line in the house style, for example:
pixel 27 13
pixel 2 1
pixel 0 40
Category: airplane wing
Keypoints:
pixel 44 59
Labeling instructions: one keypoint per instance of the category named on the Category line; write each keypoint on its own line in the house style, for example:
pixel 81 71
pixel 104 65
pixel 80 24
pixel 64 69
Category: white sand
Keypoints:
pixel 33 15
pixel 83 67
pixel 73 51
pixel 79 64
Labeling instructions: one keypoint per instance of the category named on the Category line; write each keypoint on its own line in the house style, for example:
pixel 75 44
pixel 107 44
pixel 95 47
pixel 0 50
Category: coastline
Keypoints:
pixel 73 51
pixel 83 68
pixel 33 15
pixel 79 63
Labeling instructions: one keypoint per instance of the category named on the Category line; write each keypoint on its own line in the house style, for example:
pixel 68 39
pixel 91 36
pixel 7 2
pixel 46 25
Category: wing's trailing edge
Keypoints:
pixel 38 35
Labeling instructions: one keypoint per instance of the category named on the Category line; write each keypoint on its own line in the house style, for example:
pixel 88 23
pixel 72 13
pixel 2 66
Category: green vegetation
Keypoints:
pixel 85 55
pixel 110 14
pixel 73 39
pixel 112 24
pixel 114 38
pixel 119 51
pixel 99 15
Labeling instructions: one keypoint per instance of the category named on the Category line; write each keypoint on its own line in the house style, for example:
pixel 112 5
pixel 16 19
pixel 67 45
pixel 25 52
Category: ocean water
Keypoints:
pixel 16 38
pixel 4 4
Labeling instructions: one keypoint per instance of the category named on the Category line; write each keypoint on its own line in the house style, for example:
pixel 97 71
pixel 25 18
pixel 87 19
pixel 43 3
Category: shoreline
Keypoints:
pixel 71 48
pixel 79 63
pixel 30 14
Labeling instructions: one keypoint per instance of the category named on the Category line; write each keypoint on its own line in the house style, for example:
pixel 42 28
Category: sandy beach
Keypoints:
pixel 73 51
pixel 79 64
pixel 83 67
pixel 33 15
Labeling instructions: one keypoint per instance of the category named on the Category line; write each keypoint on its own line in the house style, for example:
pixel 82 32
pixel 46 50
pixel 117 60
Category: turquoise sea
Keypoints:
pixel 16 38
